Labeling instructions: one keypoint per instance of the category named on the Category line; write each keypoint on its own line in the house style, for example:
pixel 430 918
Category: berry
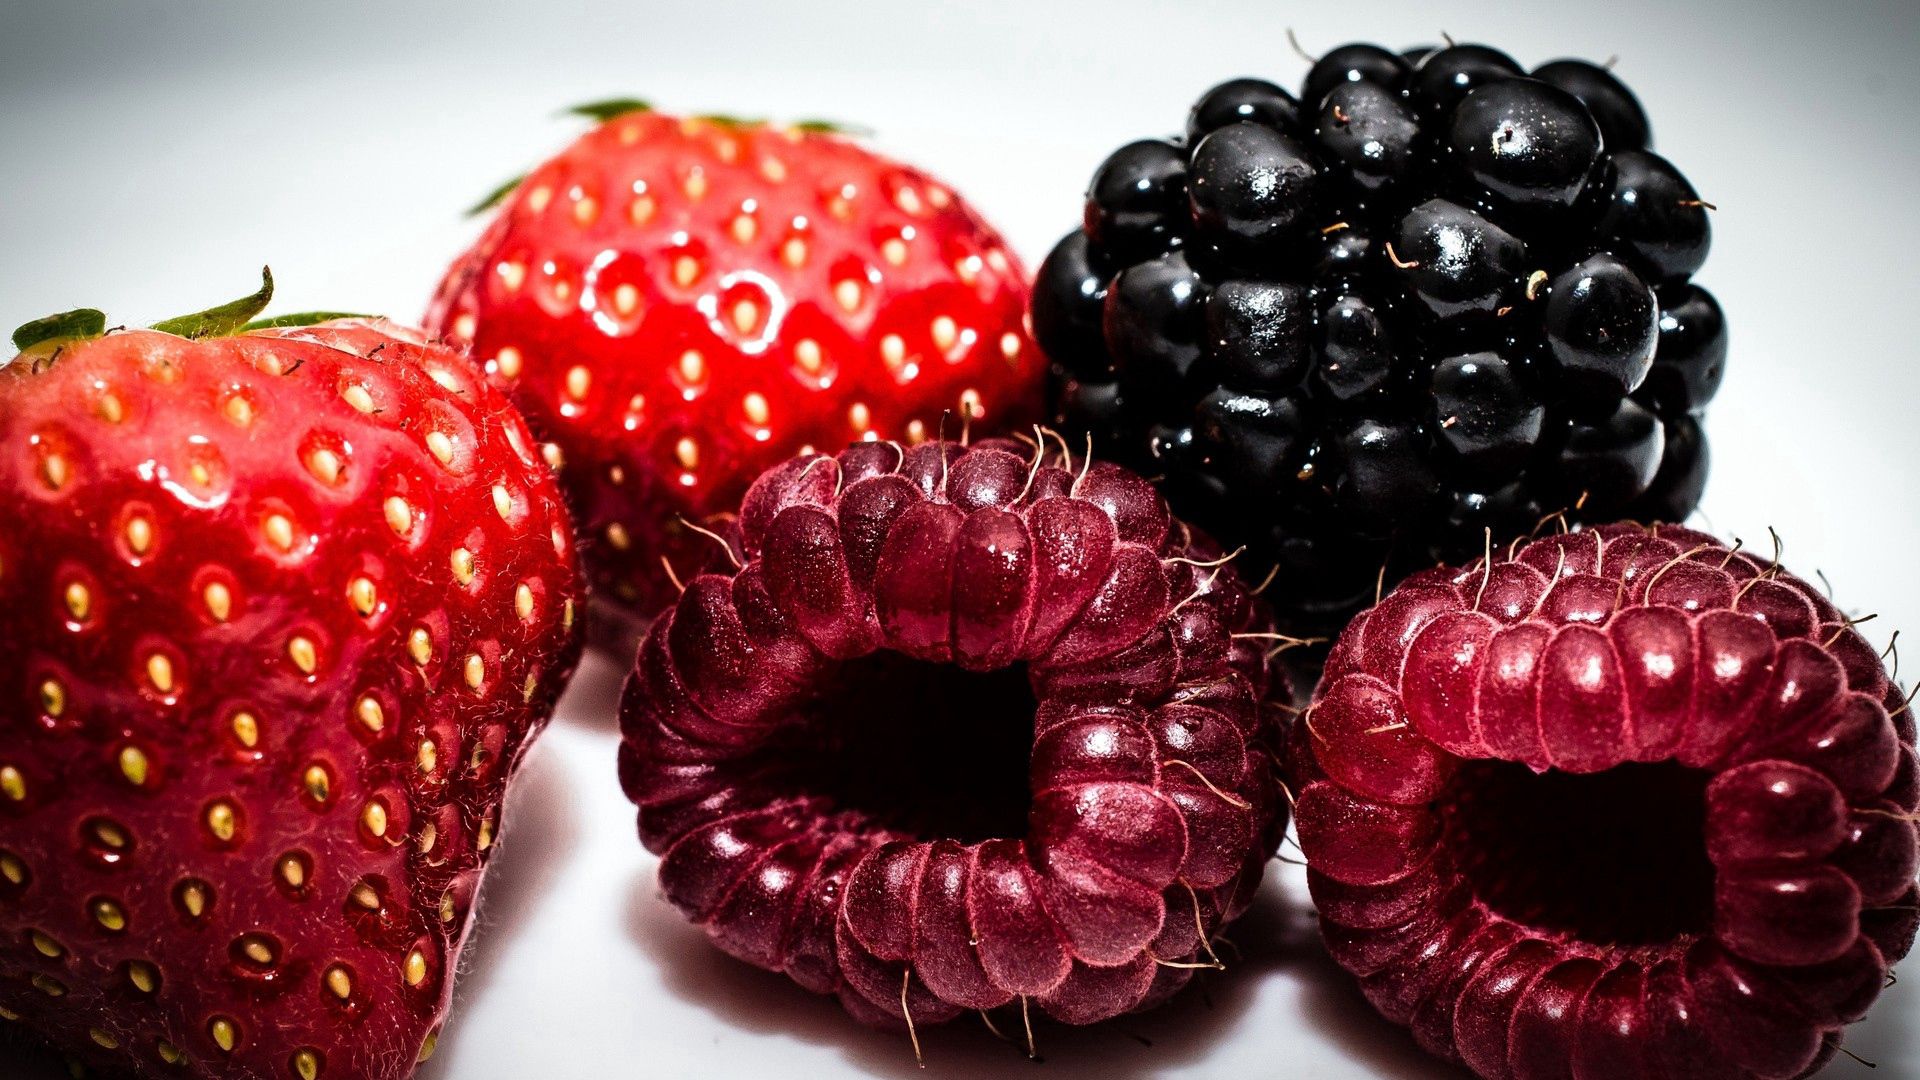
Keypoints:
pixel 1446 76
pixel 1460 265
pixel 1691 357
pixel 1137 196
pixel 1381 472
pixel 1069 302
pixel 1483 417
pixel 1357 63
pixel 1682 476
pixel 1621 802
pixel 1602 327
pixel 1434 296
pixel 284 609
pixel 1528 146
pixel 1240 99
pixel 1258 332
pixel 1654 217
pixel 1251 187
pixel 1356 352
pixel 1261 434
pixel 1612 460
pixel 961 728
pixel 677 304
pixel 1154 320
pixel 1368 130
pixel 1622 121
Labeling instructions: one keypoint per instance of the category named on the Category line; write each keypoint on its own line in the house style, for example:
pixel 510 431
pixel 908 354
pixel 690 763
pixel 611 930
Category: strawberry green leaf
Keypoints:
pixel 76 325
pixel 228 318
pixel 730 120
pixel 610 108
pixel 302 318
pixel 496 196
pixel 832 127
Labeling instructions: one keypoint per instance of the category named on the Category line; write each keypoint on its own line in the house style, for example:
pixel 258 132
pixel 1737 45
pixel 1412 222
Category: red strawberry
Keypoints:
pixel 282 612
pixel 678 304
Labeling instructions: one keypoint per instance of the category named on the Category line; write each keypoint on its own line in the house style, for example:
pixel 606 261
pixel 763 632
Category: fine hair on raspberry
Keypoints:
pixel 966 727
pixel 1616 803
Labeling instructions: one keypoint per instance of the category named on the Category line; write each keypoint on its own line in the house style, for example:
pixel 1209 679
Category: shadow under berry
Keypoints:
pixel 592 702
pixel 539 835
pixel 1177 1034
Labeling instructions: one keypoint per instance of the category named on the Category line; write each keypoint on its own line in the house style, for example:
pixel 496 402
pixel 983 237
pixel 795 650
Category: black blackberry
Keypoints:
pixel 1431 296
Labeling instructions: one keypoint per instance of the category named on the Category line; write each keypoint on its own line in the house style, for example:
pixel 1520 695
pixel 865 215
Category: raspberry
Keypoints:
pixel 1432 296
pixel 965 726
pixel 1620 803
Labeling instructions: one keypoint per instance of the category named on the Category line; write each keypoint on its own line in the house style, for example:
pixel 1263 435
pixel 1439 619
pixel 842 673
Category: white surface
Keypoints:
pixel 157 154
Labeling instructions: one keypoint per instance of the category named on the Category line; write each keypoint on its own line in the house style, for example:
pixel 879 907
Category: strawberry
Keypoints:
pixel 283 608
pixel 678 304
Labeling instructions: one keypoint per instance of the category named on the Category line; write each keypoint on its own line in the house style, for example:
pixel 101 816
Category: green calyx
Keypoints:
pixel 80 324
pixel 234 317
pixel 612 108
pixel 832 127
pixel 813 126
pixel 225 319
pixel 302 318
pixel 616 107
pixel 496 196
pixel 730 120
pixel 601 111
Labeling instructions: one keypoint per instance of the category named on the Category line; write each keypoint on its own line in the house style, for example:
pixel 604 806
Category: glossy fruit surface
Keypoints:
pixel 1530 147
pixel 1433 296
pixel 964 728
pixel 1622 121
pixel 1618 803
pixel 678 303
pixel 282 612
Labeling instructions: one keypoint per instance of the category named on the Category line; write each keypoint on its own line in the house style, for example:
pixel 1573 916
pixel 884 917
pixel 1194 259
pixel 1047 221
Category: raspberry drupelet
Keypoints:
pixel 967 727
pixel 1618 803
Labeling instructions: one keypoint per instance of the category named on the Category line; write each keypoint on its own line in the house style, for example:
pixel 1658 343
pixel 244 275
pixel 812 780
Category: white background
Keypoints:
pixel 154 155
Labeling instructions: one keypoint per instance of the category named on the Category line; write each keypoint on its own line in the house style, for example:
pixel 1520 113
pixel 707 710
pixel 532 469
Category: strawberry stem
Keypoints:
pixel 228 318
pixel 613 107
pixel 302 318
pixel 832 127
pixel 731 120
pixel 610 108
pixel 233 317
pixel 496 196
pixel 76 325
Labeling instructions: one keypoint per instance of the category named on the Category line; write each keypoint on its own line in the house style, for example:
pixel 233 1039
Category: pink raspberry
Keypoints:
pixel 1621 803
pixel 965 728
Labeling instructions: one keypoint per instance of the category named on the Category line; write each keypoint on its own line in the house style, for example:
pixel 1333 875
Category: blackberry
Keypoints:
pixel 1431 296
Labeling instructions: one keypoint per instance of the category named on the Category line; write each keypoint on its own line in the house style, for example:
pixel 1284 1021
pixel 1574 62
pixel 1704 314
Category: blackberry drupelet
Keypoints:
pixel 1434 295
